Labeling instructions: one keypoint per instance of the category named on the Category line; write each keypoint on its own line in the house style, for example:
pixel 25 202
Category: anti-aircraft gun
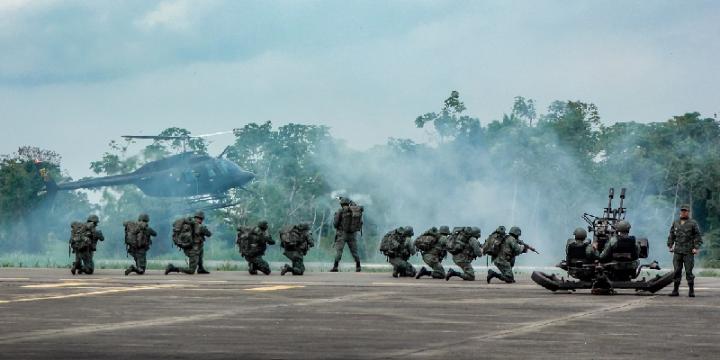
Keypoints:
pixel 604 275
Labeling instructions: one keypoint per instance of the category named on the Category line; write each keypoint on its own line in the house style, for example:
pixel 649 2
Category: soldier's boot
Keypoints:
pixel 335 267
pixel 423 271
pixel 251 269
pixel 74 268
pixel 131 269
pixel 676 287
pixel 285 270
pixel 451 273
pixel 202 271
pixel 691 286
pixel 491 274
pixel 357 266
pixel 171 269
pixel 395 272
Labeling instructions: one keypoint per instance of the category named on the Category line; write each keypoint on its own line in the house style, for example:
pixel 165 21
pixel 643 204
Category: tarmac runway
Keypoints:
pixel 50 314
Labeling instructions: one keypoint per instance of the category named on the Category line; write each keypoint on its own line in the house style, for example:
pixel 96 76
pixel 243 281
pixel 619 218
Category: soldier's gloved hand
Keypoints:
pixel 671 248
pixel 694 251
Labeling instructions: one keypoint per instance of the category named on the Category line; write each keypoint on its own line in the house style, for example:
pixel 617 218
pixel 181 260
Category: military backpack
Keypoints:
pixel 250 242
pixel 136 234
pixel 426 241
pixel 80 236
pixel 351 219
pixel 290 237
pixel 390 244
pixel 183 233
pixel 457 241
pixel 493 244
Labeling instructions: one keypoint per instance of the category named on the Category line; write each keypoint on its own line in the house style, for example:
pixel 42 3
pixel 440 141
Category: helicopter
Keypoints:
pixel 196 177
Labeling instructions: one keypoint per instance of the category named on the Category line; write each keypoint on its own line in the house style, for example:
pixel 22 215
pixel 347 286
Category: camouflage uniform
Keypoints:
pixel 505 260
pixel 343 237
pixel 684 237
pixel 195 251
pixel 465 258
pixel 139 254
pixel 261 239
pixel 435 255
pixel 398 258
pixel 84 257
pixel 296 253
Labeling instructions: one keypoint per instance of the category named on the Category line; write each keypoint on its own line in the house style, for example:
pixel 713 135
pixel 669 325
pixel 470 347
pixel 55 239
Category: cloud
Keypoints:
pixel 173 15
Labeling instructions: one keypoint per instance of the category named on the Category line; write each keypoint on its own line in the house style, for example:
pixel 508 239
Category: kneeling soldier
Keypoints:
pixel 253 242
pixel 432 247
pixel 296 240
pixel 138 240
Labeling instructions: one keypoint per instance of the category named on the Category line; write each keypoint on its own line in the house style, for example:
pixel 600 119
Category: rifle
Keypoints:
pixel 529 247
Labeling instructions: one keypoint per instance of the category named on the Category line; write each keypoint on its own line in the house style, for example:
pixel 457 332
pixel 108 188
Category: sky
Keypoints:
pixel 75 75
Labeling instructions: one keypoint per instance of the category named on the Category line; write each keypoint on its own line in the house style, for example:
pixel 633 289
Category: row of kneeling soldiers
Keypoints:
pixel 189 234
pixel 463 245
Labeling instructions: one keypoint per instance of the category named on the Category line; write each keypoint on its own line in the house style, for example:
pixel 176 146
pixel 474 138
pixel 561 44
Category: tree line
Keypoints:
pixel 541 170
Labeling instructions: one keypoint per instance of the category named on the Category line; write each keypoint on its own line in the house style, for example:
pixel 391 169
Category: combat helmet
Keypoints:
pixel 199 215
pixel 476 231
pixel 303 226
pixel 580 234
pixel 623 226
pixel 444 230
pixel 515 231
pixel 408 231
pixel 263 225
pixel 501 230
pixel 144 218
pixel 93 218
pixel 344 201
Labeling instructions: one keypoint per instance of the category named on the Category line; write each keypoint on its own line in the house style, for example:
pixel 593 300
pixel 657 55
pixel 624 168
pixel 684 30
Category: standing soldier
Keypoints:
pixel 684 242
pixel 195 232
pixel 347 222
pixel 432 246
pixel 398 247
pixel 509 249
pixel 296 240
pixel 138 240
pixel 253 242
pixel 464 247
pixel 83 242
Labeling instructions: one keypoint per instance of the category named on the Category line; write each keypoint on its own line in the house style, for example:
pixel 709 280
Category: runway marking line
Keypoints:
pixel 439 349
pixel 90 293
pixel 14 279
pixel 275 288
pixel 59 285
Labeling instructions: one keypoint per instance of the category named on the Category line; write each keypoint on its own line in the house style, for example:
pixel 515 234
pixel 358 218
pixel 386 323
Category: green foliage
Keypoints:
pixel 449 123
pixel 549 167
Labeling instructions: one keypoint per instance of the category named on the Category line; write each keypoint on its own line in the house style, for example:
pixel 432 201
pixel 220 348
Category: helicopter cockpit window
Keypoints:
pixel 187 176
pixel 209 169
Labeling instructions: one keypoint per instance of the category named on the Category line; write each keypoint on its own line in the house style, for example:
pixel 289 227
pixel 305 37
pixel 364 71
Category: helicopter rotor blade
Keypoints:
pixel 156 137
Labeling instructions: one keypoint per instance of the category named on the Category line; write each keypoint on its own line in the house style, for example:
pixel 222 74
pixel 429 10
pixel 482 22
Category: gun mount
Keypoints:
pixel 603 276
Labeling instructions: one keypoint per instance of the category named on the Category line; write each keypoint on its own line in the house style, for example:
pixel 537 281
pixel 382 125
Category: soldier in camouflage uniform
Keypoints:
pixel 398 256
pixel 435 255
pixel 615 245
pixel 260 239
pixel 585 252
pixel 296 251
pixel 465 258
pixel 344 236
pixel 510 248
pixel 194 252
pixel 84 257
pixel 139 253
pixel 684 241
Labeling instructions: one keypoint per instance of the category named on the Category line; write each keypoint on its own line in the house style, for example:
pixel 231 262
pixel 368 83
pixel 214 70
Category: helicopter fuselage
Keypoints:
pixel 183 175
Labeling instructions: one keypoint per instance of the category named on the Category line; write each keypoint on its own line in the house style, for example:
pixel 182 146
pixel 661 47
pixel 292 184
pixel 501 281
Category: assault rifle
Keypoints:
pixel 527 246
